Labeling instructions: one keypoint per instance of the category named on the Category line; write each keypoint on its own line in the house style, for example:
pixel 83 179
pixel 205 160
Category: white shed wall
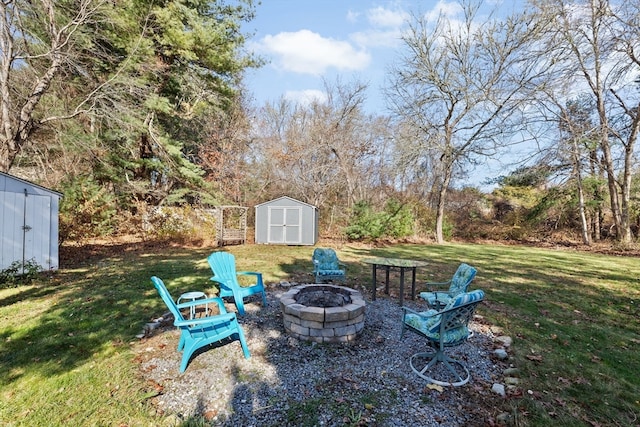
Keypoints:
pixel 28 223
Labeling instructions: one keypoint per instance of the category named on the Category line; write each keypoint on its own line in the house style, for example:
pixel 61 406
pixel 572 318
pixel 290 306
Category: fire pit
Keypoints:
pixel 323 313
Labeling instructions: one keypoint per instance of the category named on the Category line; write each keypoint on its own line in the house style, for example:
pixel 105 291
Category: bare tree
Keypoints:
pixel 596 43
pixel 325 151
pixel 462 87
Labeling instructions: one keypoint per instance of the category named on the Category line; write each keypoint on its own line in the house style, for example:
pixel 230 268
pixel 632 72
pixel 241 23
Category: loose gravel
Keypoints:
pixel 287 382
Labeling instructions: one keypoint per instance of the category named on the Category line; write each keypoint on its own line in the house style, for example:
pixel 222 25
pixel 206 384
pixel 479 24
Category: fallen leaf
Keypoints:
pixel 534 357
pixel 435 387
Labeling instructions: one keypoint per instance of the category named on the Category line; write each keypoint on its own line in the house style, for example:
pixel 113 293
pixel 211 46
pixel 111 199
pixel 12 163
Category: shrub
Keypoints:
pixel 19 274
pixel 181 222
pixel 366 224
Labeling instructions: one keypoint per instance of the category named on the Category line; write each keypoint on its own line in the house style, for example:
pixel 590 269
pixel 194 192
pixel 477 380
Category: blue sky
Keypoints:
pixel 306 41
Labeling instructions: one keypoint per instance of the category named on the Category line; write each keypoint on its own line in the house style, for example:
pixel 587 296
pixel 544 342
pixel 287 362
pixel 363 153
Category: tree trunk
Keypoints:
pixel 442 193
pixel 581 205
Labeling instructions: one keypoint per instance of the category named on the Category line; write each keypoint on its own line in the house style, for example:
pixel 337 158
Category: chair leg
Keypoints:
pixel 243 343
pixel 264 298
pixel 449 376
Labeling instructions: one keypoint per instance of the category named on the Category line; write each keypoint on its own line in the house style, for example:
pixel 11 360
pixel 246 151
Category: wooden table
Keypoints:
pixel 389 263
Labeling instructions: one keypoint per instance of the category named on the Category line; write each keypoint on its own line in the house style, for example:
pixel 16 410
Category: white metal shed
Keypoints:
pixel 28 223
pixel 286 221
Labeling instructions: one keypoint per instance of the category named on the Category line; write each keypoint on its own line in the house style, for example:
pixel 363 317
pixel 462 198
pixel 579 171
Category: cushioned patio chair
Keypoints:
pixel 223 265
pixel 458 284
pixel 200 332
pixel 327 266
pixel 445 328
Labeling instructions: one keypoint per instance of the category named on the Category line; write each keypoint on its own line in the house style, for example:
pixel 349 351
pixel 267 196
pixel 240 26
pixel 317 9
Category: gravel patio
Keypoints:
pixel 288 382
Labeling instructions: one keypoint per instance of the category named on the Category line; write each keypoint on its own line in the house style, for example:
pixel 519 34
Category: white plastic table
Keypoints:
pixel 193 295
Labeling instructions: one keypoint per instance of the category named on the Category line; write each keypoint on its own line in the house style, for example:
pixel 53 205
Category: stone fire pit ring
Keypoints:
pixel 305 320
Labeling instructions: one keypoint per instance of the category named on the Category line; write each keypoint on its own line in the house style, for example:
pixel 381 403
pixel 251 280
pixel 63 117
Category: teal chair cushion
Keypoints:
pixel 326 265
pixel 464 298
pixel 428 322
pixel 442 298
pixel 331 272
pixel 457 285
pixel 461 279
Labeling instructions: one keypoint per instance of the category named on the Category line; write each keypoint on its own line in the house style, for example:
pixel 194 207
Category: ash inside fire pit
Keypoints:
pixel 322 298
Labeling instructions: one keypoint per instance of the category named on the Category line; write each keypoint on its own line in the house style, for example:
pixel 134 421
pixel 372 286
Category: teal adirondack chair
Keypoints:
pixel 223 265
pixel 458 284
pixel 327 266
pixel 445 328
pixel 200 332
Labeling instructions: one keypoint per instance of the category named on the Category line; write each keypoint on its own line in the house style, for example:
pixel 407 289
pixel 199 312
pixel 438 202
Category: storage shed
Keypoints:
pixel 286 221
pixel 28 223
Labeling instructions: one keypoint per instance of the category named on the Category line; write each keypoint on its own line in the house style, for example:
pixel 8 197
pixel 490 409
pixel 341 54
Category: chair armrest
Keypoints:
pixel 206 320
pixel 216 300
pixel 434 285
pixel 220 282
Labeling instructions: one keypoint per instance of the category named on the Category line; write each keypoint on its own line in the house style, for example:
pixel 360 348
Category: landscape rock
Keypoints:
pixel 501 354
pixel 499 389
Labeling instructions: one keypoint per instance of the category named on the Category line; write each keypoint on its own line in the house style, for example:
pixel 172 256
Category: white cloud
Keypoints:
pixel 448 10
pixel 353 16
pixel 381 17
pixel 376 38
pixel 307 52
pixel 385 28
pixel 306 97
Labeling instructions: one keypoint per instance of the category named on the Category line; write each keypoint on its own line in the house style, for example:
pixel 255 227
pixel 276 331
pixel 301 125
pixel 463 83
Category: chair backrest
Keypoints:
pixel 459 312
pixel 461 279
pixel 325 259
pixel 166 297
pixel 223 265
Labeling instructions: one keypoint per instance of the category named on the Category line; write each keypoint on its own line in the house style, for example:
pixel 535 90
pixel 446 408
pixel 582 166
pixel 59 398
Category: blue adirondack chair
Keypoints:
pixel 458 284
pixel 223 265
pixel 327 266
pixel 200 332
pixel 445 328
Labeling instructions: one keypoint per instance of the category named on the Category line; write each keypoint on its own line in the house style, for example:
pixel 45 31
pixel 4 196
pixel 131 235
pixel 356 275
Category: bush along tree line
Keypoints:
pixel 132 105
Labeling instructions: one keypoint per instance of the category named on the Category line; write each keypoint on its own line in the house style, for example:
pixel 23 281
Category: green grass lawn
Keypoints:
pixel 66 341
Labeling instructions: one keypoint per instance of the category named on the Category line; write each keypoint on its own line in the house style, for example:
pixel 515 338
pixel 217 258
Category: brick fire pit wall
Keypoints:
pixel 323 324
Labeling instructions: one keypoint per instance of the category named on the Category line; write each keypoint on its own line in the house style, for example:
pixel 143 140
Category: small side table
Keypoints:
pixel 193 295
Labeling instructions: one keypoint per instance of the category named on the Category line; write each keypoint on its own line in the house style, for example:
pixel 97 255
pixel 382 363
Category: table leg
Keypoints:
pixel 413 283
pixel 401 285
pixel 386 279
pixel 373 291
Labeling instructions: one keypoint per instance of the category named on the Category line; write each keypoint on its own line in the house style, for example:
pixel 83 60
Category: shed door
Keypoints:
pixel 26 225
pixel 284 225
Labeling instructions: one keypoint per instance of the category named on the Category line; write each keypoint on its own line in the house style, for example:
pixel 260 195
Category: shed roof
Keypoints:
pixel 55 193
pixel 286 198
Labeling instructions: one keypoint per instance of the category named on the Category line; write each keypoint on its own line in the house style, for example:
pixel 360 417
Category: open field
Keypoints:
pixel 67 352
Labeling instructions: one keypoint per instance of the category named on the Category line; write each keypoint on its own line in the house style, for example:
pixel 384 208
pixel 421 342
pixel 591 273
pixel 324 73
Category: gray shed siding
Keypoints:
pixel 286 221
pixel 28 223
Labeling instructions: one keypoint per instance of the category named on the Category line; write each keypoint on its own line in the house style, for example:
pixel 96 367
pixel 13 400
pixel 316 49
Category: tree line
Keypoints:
pixel 127 104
